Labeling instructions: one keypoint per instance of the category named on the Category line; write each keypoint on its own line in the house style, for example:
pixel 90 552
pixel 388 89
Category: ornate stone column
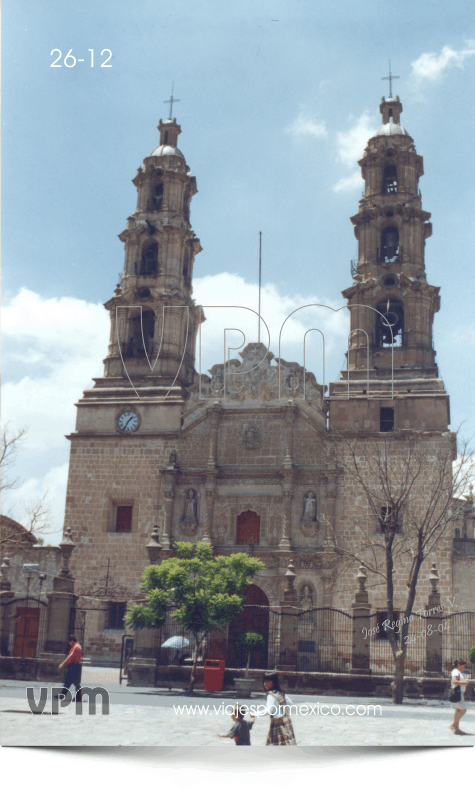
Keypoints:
pixel 285 542
pixel 290 414
pixel 360 657
pixel 168 490
pixel 214 414
pixel 210 490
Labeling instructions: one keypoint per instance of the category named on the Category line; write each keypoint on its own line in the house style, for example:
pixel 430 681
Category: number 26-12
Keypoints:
pixel 70 60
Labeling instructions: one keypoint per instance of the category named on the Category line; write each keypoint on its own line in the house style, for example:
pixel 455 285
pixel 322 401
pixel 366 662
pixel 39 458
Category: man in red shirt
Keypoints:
pixel 73 668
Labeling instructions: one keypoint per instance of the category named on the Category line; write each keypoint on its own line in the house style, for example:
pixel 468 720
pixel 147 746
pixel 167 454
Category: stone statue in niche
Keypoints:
pixel 306 598
pixel 172 459
pixel 190 505
pixel 189 521
pixel 310 506
pixel 309 522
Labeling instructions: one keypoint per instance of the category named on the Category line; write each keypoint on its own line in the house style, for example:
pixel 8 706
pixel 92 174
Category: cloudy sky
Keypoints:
pixel 277 101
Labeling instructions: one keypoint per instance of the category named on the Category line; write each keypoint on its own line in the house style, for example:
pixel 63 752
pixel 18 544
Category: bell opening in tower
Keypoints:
pixel 390 250
pixel 390 324
pixel 390 179
pixel 149 264
pixel 142 330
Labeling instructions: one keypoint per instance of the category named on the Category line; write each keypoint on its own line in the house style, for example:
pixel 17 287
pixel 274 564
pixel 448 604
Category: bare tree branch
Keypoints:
pixel 10 443
pixel 414 485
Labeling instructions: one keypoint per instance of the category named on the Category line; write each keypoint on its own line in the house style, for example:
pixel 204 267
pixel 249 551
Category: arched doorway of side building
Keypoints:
pixel 253 617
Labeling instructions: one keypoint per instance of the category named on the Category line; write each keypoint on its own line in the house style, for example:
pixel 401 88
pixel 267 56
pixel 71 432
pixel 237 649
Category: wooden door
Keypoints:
pixel 27 622
pixel 248 528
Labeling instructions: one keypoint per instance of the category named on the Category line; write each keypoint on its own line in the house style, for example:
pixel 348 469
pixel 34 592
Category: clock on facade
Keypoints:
pixel 128 421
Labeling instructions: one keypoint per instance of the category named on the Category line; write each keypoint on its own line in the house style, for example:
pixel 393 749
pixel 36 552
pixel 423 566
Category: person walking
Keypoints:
pixel 72 662
pixel 281 731
pixel 457 680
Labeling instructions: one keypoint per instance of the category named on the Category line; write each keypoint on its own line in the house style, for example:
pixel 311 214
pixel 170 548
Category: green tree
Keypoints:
pixel 249 641
pixel 205 592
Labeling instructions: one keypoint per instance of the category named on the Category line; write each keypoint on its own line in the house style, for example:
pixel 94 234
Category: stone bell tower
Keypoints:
pixel 392 372
pixel 153 318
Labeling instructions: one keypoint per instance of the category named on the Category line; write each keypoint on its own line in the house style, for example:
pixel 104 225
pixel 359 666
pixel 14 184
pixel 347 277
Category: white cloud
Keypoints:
pixel 430 66
pixel 349 183
pixel 64 323
pixel 275 308
pixel 61 342
pixel 465 337
pixel 352 142
pixel 351 145
pixel 305 124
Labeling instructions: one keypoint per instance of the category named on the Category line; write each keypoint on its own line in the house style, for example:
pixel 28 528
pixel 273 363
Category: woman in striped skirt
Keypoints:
pixel 281 732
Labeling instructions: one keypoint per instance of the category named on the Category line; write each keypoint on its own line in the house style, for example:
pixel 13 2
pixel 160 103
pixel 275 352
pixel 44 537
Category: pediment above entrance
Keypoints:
pixel 258 379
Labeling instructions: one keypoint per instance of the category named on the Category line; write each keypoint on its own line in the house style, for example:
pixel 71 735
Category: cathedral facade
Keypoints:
pixel 244 459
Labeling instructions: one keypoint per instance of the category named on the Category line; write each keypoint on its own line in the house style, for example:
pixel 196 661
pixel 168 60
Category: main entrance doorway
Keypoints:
pixel 253 617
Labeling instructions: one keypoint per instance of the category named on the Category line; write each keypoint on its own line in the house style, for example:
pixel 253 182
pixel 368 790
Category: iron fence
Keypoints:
pixel 256 619
pixel 458 636
pixel 184 650
pixel 325 640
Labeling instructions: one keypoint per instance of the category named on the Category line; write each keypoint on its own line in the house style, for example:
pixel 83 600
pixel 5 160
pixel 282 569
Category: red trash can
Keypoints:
pixel 214 675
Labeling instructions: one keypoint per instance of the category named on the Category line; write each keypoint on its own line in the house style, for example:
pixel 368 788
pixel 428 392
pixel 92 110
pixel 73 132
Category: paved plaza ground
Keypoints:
pixel 149 717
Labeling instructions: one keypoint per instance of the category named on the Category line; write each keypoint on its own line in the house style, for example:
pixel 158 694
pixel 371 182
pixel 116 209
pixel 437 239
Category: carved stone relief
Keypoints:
pixel 256 379
pixel 251 436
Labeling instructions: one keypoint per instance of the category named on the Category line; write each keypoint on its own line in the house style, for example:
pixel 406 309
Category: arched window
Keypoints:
pixel 390 179
pixel 392 319
pixel 390 245
pixel 150 260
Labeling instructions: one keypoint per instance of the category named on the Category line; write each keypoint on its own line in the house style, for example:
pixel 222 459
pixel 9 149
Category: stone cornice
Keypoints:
pixel 408 214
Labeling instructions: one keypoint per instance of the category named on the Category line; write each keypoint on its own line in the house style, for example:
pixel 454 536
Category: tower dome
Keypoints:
pixel 391 129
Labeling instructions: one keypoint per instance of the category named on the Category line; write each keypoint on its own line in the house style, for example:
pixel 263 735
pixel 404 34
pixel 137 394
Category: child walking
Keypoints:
pixel 240 730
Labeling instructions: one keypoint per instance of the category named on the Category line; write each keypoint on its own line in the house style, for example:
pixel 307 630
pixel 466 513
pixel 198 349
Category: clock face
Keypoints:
pixel 128 421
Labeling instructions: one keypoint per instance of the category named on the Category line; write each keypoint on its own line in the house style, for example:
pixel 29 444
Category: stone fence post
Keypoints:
pixel 433 665
pixel 142 665
pixel 288 614
pixel 6 595
pixel 61 601
pixel 361 608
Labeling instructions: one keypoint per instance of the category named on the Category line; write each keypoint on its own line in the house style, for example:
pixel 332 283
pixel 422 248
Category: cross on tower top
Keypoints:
pixel 391 78
pixel 171 101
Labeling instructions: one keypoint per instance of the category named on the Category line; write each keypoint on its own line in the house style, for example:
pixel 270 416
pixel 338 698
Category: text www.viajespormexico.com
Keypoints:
pixel 305 709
